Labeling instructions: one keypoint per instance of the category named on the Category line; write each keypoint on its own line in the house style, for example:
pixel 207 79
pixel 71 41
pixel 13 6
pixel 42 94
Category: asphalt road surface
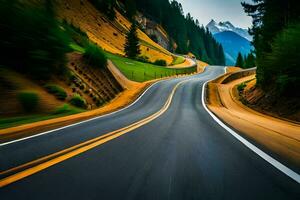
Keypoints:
pixel 181 154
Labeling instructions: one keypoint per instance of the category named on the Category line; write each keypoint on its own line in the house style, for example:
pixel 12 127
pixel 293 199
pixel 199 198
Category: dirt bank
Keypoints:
pixel 279 136
pixel 279 106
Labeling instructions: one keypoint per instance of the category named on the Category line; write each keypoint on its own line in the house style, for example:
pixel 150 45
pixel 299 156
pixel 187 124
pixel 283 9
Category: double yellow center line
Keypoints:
pixel 30 168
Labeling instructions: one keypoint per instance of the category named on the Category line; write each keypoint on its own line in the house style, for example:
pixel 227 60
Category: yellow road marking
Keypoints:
pixel 55 158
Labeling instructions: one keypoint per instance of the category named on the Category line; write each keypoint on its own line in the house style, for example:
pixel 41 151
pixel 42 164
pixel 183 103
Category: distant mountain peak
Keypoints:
pixel 212 22
pixel 215 27
pixel 227 24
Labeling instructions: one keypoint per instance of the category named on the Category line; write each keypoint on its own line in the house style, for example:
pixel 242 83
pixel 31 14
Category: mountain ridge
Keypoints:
pixel 233 43
pixel 215 27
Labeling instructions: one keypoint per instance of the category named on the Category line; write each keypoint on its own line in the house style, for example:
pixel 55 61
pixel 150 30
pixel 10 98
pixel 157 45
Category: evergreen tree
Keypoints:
pixel 240 61
pixel 284 62
pixel 132 46
pixel 221 55
pixel 250 61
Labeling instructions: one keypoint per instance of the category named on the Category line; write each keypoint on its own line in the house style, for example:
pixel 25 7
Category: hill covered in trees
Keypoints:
pixel 185 31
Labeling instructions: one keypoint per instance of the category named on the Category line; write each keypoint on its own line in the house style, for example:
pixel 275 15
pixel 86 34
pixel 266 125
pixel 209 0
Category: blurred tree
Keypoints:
pixel 32 39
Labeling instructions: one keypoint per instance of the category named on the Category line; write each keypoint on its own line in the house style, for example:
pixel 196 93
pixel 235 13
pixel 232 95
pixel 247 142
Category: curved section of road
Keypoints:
pixel 289 172
pixel 181 154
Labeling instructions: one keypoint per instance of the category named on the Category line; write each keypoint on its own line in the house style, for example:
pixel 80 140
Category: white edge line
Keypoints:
pixel 284 169
pixel 81 122
pixel 290 173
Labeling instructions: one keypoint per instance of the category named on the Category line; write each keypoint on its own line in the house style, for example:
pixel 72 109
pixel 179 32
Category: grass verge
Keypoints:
pixel 7 122
pixel 139 71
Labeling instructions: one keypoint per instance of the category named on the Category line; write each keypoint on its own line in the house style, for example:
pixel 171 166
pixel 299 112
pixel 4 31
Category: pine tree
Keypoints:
pixel 239 61
pixel 250 61
pixel 132 46
pixel 221 55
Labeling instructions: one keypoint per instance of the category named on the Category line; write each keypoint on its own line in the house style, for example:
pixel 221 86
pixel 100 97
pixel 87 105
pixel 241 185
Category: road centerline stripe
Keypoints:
pixel 58 157
pixel 81 122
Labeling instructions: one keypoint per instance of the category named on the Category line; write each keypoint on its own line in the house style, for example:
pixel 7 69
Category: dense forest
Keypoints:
pixel 184 30
pixel 276 31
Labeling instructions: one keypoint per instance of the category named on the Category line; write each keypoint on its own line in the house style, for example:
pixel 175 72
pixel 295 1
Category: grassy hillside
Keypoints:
pixel 110 35
pixel 11 111
pixel 57 69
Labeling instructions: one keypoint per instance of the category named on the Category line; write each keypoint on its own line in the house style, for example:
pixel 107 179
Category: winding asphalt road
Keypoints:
pixel 181 154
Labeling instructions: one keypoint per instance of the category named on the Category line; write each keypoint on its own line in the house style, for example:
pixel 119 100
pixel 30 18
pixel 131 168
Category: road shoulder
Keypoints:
pixel 276 135
pixel 132 91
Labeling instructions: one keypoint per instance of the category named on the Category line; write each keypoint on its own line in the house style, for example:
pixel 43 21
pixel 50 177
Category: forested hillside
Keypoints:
pixel 187 32
pixel 276 31
pixel 184 30
pixel 55 55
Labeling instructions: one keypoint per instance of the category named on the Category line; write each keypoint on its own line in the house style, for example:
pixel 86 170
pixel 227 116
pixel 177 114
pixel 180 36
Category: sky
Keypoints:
pixel 219 10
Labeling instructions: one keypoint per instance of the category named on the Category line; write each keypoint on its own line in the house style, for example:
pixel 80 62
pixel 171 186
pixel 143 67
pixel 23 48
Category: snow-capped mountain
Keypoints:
pixel 215 27
pixel 233 39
